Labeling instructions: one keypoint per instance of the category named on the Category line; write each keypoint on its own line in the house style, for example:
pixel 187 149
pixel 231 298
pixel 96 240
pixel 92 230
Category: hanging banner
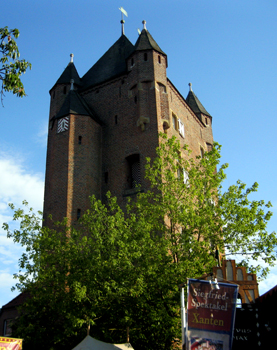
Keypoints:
pixel 210 315
pixel 10 343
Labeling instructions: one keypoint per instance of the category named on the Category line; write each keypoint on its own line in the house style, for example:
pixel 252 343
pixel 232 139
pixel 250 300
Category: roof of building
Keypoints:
pixel 75 104
pixel 146 42
pixel 195 104
pixel 69 73
pixel 18 300
pixel 110 65
pixel 270 294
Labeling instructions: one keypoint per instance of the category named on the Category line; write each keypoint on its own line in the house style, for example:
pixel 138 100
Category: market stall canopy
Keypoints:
pixel 90 343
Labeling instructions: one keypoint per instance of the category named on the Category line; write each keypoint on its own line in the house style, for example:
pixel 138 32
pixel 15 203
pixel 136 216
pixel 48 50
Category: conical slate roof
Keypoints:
pixel 69 73
pixel 111 64
pixel 74 104
pixel 195 104
pixel 146 42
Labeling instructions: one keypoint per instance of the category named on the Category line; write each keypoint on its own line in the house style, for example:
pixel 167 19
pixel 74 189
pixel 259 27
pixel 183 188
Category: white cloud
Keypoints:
pixel 17 183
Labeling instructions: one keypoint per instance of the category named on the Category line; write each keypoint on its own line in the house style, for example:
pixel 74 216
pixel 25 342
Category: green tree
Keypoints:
pixel 11 67
pixel 122 268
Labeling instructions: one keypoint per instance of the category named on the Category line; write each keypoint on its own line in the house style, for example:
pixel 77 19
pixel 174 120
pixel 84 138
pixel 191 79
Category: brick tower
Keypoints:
pixel 103 125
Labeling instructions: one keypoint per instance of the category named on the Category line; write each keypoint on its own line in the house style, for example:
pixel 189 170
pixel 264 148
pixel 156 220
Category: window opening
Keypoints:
pixel 202 152
pixel 132 62
pixel 106 177
pixel 209 147
pixel 134 176
pixel 135 99
pixel 145 56
pixel 119 91
pixel 229 271
pixel 115 119
pixel 80 140
pixel 78 214
pixel 181 128
pixel 64 90
pixel 239 275
pixel 206 121
pixel 159 59
pixel 174 121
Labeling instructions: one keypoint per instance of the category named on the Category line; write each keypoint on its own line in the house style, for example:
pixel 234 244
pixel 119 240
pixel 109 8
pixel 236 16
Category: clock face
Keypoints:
pixel 63 124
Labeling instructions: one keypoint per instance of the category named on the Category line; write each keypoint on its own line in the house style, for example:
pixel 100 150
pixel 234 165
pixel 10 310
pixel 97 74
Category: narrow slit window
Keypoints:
pixel 159 59
pixel 134 176
pixel 115 119
pixel 64 90
pixel 174 122
pixel 202 152
pixel 78 214
pixel 80 140
pixel 106 177
pixel 145 56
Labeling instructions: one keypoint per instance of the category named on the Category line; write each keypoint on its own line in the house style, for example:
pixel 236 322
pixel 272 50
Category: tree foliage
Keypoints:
pixel 122 268
pixel 11 67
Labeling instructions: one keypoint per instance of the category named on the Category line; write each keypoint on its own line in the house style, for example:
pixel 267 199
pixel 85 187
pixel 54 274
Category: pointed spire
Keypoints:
pixel 144 24
pixel 122 27
pixel 69 73
pixel 123 12
pixel 195 104
pixel 146 42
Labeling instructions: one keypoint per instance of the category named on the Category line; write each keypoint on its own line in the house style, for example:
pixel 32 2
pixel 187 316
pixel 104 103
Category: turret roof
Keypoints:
pixel 69 73
pixel 75 104
pixel 110 65
pixel 195 104
pixel 146 42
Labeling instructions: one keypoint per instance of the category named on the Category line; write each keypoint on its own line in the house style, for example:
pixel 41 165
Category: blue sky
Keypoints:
pixel 224 48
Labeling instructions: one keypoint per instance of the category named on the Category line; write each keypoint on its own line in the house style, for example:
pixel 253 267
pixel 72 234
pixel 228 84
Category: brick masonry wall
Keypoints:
pixel 133 109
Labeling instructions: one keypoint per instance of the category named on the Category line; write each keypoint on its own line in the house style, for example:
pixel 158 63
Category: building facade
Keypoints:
pixel 103 125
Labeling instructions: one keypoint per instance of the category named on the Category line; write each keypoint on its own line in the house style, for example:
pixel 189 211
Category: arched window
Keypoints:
pixel 229 271
pixel 239 275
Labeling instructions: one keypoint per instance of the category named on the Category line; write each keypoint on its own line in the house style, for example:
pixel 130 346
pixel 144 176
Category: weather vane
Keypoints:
pixel 123 12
